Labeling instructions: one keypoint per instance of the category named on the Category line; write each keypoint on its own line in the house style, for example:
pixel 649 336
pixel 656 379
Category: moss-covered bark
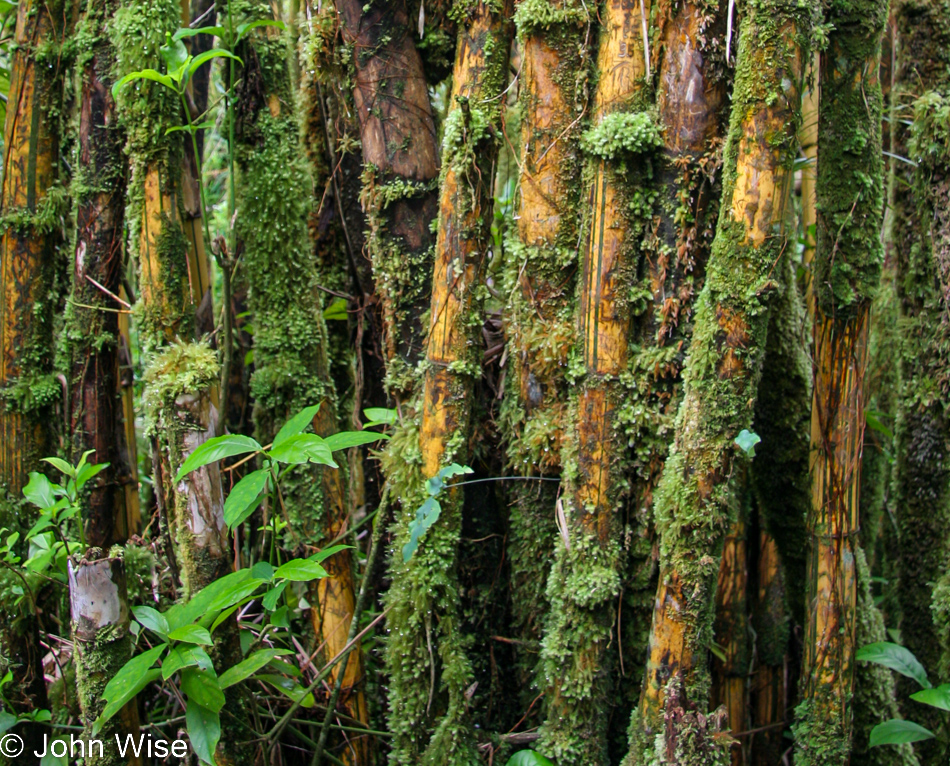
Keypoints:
pixel 430 673
pixel 32 203
pixel 847 267
pixel 401 168
pixel 922 433
pixel 694 501
pixel 540 269
pixel 102 644
pixel 92 320
pixel 291 371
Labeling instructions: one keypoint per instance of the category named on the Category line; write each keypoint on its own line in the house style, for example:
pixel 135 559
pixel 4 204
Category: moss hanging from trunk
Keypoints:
pixel 694 500
pixel 431 675
pixel 92 320
pixel 539 278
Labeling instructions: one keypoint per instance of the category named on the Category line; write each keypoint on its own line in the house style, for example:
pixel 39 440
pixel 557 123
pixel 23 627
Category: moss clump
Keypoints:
pixel 535 16
pixel 623 133
pixel 183 368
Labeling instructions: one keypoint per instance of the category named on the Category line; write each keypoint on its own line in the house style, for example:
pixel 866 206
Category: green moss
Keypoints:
pixel 183 368
pixel 534 16
pixel 622 133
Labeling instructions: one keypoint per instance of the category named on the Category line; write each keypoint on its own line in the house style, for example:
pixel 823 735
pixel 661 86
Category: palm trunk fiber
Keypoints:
pixel 847 267
pixel 694 501
pixel 540 278
pixel 291 367
pixel 922 433
pixel 426 656
pixel 92 325
pixel 401 168
pixel 584 582
pixel 30 209
pixel 102 644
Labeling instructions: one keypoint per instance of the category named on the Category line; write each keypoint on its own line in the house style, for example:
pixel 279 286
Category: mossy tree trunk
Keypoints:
pixel 847 268
pixel 695 499
pixel 31 205
pixel 541 265
pixel 922 433
pixel 92 315
pixel 426 657
pixel 401 169
pixel 274 194
pixel 102 644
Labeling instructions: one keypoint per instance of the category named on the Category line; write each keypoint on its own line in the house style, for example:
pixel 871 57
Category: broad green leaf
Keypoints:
pixel 242 496
pixel 898 732
pixel 42 523
pixel 336 311
pixel 216 449
pixel 347 439
pixel 454 470
pixel 281 617
pixel 134 676
pixel 175 55
pixel 201 686
pixel 181 34
pixel 204 731
pixel 426 515
pixel 184 656
pixel 248 667
pixel 270 598
pixel 7 721
pixel 222 593
pixel 243 29
pixel 145 74
pixel 300 570
pixel 303 448
pixel 746 441
pixel 895 657
pixel 297 424
pixel 379 416
pixel 207 56
pixel 85 472
pixel 263 571
pixel 191 634
pixel 39 491
pixel 61 465
pixel 528 758
pixel 939 697
pixel 151 619
pixel 289 687
pixel 227 613
pixel 327 552
pixel 49 759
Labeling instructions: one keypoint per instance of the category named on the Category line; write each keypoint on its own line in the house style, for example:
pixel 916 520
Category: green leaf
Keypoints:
pixel 151 619
pixel 191 634
pixel 347 439
pixel 206 125
pixel 300 570
pixel 201 686
pixel 895 657
pixel 528 758
pixel 7 721
pixel 204 731
pixel 336 311
pixel 898 732
pixel 327 552
pixel 49 759
pixel 145 74
pixel 61 465
pixel 379 416
pixel 175 55
pixel 249 666
pixel 297 424
pixel 246 27
pixel 281 617
pixel 303 448
pixel 134 676
pixel 39 491
pixel 453 470
pixel 225 614
pixel 939 697
pixel 214 53
pixel 426 515
pixel 270 598
pixel 180 657
pixel 181 34
pixel 746 441
pixel 289 687
pixel 216 449
pixel 873 419
pixel 222 593
pixel 243 495
pixel 86 472
pixel 263 570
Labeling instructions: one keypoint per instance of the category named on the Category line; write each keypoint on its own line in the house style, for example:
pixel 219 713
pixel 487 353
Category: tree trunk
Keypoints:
pixel 102 644
pixel 541 264
pixel 694 500
pixel 31 205
pixel 92 324
pixel 847 268
pixel 425 654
